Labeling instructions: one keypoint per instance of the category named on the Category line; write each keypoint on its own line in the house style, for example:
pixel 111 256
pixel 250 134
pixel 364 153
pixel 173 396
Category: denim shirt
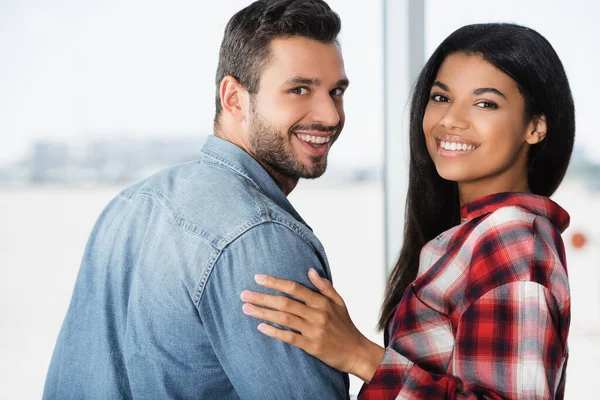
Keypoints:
pixel 156 310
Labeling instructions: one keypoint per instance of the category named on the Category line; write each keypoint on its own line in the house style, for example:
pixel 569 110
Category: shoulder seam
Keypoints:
pixel 201 285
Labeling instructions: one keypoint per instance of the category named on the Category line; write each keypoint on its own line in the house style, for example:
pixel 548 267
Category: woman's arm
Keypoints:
pixel 507 346
pixel 326 330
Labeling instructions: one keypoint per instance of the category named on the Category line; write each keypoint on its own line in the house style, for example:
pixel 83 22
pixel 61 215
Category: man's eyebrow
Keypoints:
pixel 299 80
pixel 344 82
pixel 489 90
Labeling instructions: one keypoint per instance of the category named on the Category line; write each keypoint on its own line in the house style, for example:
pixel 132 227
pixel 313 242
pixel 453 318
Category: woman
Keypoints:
pixel 478 303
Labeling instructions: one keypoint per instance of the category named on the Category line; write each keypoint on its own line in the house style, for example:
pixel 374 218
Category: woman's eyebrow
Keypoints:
pixel 489 90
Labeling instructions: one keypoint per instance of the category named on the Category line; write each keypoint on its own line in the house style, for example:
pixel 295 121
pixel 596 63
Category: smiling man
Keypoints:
pixel 290 118
pixel 156 311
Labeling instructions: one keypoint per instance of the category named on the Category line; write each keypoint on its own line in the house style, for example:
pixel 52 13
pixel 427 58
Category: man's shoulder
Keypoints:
pixel 211 198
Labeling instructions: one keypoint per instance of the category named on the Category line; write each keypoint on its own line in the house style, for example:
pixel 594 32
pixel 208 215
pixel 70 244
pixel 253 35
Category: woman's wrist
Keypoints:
pixel 369 357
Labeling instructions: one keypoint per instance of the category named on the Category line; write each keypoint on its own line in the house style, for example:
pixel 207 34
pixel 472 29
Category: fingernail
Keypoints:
pixel 260 278
pixel 246 296
pixel 263 328
pixel 313 271
pixel 248 309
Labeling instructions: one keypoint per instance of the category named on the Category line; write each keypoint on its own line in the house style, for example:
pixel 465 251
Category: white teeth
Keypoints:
pixel 314 139
pixel 453 146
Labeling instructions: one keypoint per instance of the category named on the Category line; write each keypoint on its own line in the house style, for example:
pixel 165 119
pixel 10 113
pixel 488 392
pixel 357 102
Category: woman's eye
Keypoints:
pixel 300 90
pixel 486 104
pixel 439 98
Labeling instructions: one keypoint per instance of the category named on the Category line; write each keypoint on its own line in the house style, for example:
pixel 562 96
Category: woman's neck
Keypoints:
pixel 469 191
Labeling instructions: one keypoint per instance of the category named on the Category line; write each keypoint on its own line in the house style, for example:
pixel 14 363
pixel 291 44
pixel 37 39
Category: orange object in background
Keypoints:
pixel 578 240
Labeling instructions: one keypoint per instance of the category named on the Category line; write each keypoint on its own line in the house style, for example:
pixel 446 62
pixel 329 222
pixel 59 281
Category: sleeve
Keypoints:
pixel 507 347
pixel 260 367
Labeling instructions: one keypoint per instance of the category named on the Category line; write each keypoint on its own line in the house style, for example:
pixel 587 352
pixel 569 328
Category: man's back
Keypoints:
pixel 156 310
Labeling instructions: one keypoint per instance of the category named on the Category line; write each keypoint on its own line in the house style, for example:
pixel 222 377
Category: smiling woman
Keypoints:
pixel 478 304
pixel 477 130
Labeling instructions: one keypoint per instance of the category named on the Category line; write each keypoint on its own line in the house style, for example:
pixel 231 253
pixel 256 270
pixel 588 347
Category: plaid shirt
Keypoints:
pixel 488 315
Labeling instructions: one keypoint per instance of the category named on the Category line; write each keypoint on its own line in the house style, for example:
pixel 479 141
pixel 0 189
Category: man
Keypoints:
pixel 156 311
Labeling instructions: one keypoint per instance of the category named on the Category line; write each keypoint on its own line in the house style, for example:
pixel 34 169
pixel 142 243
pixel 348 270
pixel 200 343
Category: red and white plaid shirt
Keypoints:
pixel 488 315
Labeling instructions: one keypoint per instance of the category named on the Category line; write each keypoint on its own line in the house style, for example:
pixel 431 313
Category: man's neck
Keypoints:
pixel 285 183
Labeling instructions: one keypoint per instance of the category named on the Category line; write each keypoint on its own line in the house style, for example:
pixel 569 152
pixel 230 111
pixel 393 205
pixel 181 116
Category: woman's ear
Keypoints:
pixel 537 129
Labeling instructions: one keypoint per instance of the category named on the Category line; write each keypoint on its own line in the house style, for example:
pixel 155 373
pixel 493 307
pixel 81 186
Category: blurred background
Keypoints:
pixel 97 95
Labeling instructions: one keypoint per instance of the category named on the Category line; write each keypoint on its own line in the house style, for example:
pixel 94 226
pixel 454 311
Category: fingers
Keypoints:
pixel 280 303
pixel 277 317
pixel 292 288
pixel 316 280
pixel 285 336
pixel 325 287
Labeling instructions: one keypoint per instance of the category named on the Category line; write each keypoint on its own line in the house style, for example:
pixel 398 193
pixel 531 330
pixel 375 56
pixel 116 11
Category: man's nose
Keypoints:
pixel 325 111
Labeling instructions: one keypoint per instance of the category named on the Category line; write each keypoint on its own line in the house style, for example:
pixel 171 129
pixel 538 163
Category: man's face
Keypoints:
pixel 298 111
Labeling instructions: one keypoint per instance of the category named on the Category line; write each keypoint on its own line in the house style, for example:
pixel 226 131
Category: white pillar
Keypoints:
pixel 404 56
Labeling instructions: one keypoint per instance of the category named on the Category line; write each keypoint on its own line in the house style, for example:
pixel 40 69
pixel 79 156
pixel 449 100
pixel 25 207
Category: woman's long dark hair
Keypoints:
pixel 432 202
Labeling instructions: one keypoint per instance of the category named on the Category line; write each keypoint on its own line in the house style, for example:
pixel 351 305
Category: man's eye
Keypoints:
pixel 337 92
pixel 300 90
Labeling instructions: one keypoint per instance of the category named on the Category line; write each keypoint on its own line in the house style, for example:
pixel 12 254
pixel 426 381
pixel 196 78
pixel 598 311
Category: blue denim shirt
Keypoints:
pixel 156 310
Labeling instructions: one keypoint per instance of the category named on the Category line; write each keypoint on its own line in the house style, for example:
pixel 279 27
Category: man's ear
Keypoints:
pixel 233 97
pixel 537 129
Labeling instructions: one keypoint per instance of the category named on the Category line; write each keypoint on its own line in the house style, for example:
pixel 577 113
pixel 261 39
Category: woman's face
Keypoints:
pixel 475 128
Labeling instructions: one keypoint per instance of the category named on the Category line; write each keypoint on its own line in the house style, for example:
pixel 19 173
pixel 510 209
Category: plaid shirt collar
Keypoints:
pixel 536 204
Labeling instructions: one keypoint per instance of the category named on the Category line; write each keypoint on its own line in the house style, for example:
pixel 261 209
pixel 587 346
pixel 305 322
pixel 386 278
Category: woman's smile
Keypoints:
pixel 452 146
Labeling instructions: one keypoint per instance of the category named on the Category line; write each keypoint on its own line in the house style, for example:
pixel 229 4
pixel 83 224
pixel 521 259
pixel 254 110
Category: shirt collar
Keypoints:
pixel 235 158
pixel 540 205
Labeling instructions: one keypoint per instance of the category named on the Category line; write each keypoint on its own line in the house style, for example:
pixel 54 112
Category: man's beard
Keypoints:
pixel 275 150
